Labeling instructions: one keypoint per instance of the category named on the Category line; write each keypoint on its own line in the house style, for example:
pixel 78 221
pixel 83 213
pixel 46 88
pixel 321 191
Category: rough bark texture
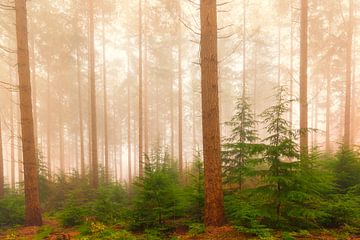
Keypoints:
pixel 303 78
pixel 1 165
pixel 94 153
pixel 32 202
pixel 348 76
pixel 214 209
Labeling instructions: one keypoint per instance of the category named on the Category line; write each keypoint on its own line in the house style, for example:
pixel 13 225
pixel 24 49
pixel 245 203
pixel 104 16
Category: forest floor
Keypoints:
pixel 52 230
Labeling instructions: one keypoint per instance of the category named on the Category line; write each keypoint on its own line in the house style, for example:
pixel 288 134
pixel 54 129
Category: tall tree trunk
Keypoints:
pixel 214 206
pixel 244 51
pixel 291 65
pixel 81 125
pixel 348 76
pixel 61 142
pixel 140 117
pixel 128 112
pixel 106 137
pixel 19 155
pixel 94 151
pixel 32 201
pixel 1 165
pixel 303 79
pixel 146 86
pixel 12 143
pixel 328 99
pixel 34 87
pixel 180 96
pixel 48 124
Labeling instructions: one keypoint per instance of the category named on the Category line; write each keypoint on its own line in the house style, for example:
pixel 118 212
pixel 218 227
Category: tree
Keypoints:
pixel 32 202
pixel 106 139
pixel 303 78
pixel 240 147
pixel 140 93
pixel 180 96
pixel 349 36
pixel 94 153
pixel 214 199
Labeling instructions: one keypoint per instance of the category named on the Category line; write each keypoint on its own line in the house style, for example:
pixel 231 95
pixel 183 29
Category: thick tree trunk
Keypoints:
pixel 32 202
pixel 303 79
pixel 348 77
pixel 94 151
pixel 214 208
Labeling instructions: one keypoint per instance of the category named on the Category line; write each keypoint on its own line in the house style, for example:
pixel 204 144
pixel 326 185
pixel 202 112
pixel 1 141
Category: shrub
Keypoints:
pixel 12 209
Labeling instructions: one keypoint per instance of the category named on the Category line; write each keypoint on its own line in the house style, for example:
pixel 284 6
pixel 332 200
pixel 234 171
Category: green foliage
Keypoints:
pixel 12 209
pixel 195 190
pixel 157 195
pixel 240 147
pixel 106 204
pixel 196 229
pixel 346 169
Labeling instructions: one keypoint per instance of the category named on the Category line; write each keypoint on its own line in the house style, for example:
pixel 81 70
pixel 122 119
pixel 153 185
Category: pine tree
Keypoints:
pixel 240 147
pixel 214 209
pixel 32 202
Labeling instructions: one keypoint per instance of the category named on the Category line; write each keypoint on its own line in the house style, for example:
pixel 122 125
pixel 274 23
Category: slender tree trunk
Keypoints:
pixel 291 65
pixel 12 142
pixel 48 125
pixel 214 206
pixel 244 52
pixel 61 142
pixel 180 96
pixel 279 54
pixel 128 113
pixel 1 165
pixel 140 93
pixel 94 151
pixel 348 77
pixel 303 79
pixel 106 137
pixel 146 86
pixel 81 125
pixel 353 96
pixel 32 201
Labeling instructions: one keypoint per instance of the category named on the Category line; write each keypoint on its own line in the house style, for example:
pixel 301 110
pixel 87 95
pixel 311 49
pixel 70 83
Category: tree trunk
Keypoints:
pixel 94 152
pixel 48 124
pixel 291 65
pixel 180 96
pixel 128 111
pixel 140 94
pixel 32 202
pixel 303 79
pixel 348 77
pixel 81 125
pixel 12 143
pixel 106 140
pixel 244 51
pixel 61 142
pixel 34 87
pixel 214 206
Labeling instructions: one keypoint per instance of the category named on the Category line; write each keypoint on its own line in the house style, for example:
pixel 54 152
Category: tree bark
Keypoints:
pixel 303 79
pixel 94 151
pixel 81 125
pixel 140 93
pixel 180 96
pixel 214 206
pixel 106 137
pixel 348 77
pixel 32 201
pixel 48 125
